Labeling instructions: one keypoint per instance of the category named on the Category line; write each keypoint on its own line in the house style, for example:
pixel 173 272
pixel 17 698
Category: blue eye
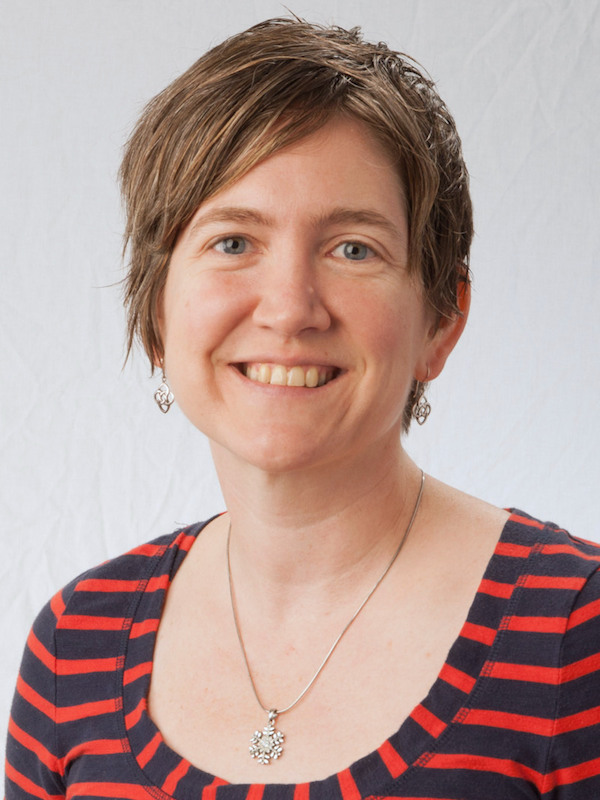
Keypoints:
pixel 232 245
pixel 355 251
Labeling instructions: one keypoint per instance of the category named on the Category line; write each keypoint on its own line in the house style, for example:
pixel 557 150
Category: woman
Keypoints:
pixel 299 226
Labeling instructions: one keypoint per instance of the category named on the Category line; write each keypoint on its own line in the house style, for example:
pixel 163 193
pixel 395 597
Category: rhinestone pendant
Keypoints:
pixel 265 745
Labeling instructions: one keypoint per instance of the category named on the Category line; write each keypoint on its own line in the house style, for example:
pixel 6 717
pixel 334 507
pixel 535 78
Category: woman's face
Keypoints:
pixel 291 327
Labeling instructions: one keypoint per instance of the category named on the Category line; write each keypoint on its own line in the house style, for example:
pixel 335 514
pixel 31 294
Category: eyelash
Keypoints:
pixel 230 239
pixel 351 243
pixel 220 244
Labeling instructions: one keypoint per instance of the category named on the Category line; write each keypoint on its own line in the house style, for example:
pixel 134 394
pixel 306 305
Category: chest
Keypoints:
pixel 202 700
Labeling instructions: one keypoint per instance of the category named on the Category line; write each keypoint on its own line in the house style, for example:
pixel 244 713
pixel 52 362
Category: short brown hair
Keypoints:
pixel 261 90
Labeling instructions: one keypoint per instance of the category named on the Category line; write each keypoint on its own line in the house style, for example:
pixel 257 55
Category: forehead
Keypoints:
pixel 341 167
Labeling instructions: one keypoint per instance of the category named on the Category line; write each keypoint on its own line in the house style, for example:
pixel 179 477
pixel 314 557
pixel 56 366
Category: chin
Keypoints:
pixel 279 452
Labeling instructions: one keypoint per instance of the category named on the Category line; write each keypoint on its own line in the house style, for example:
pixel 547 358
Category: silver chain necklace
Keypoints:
pixel 267 745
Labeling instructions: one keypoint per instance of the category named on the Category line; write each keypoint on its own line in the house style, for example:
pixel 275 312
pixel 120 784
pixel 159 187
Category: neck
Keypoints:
pixel 322 529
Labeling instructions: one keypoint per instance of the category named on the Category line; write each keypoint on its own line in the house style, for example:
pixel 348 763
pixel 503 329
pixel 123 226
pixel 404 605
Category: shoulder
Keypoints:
pixel 561 581
pixel 95 609
pixel 553 549
pixel 558 589
pixel 107 589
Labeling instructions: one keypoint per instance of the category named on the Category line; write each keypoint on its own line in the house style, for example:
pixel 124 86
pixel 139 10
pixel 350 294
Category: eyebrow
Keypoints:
pixel 360 216
pixel 228 214
pixel 338 216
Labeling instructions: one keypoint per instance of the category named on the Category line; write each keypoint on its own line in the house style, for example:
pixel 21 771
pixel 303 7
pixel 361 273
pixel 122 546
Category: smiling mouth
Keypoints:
pixel 310 377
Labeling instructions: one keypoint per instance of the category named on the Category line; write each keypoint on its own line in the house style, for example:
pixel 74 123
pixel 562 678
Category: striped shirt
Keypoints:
pixel 514 712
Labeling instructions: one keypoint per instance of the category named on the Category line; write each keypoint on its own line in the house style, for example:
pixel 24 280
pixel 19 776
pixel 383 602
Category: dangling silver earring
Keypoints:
pixel 421 407
pixel 163 395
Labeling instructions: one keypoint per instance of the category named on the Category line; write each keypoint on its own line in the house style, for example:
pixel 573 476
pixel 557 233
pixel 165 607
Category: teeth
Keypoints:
pixel 279 375
pixel 264 373
pixel 312 377
pixel 295 377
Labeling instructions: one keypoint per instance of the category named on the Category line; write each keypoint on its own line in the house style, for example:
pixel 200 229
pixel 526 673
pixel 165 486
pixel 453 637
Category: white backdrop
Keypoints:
pixel 89 466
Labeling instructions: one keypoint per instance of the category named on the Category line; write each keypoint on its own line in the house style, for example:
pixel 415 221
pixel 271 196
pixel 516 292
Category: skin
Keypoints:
pixel 303 261
pixel 292 297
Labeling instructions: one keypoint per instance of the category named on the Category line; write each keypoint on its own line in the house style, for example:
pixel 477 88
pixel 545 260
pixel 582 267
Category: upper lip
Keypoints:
pixel 289 361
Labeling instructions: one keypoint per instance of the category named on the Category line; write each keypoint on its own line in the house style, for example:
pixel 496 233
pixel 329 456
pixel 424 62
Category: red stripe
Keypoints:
pixel 522 672
pixel 512 722
pixel 210 792
pixel 531 523
pixel 63 666
pixel 552 675
pixel 43 754
pixel 255 792
pixel 81 666
pixel 580 668
pixel 502 766
pixel 348 787
pixel 129 791
pixel 457 678
pixel 95 747
pixel 113 585
pixel 185 542
pixel 34 699
pixel 81 622
pixel 134 716
pixel 28 785
pixel 536 624
pixel 432 724
pixel 71 713
pixel 57 605
pixel 478 633
pixel 175 776
pixel 141 628
pixel 574 722
pixel 580 540
pixel 553 582
pixel 584 614
pixel 155 584
pixel 394 762
pixel 556 549
pixel 148 550
pixel 149 750
pixel 495 588
pixel 512 550
pixel 578 772
pixel 302 791
pixel 66 713
pixel 134 673
pixel 40 651
pixel 108 585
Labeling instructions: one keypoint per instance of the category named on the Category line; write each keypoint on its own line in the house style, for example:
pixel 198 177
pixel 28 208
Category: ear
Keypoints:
pixel 157 361
pixel 443 336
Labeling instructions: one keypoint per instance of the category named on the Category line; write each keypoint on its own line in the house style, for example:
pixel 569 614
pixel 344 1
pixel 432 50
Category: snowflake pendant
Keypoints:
pixel 266 745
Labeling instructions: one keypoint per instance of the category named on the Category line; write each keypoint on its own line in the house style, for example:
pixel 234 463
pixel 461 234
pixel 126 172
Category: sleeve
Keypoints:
pixel 573 769
pixel 33 766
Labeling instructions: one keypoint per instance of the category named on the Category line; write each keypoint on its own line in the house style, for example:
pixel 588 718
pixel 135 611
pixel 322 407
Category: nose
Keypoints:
pixel 290 298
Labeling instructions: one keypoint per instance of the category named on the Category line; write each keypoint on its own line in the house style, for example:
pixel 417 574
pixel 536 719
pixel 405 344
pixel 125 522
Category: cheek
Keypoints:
pixel 390 325
pixel 199 312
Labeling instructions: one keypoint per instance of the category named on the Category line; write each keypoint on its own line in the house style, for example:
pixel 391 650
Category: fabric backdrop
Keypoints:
pixel 89 466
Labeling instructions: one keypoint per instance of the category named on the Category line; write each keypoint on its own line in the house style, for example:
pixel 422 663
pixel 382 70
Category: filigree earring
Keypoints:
pixel 421 407
pixel 163 395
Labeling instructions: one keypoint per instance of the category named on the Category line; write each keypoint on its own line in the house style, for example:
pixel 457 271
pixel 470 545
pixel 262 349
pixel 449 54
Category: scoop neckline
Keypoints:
pixel 398 754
